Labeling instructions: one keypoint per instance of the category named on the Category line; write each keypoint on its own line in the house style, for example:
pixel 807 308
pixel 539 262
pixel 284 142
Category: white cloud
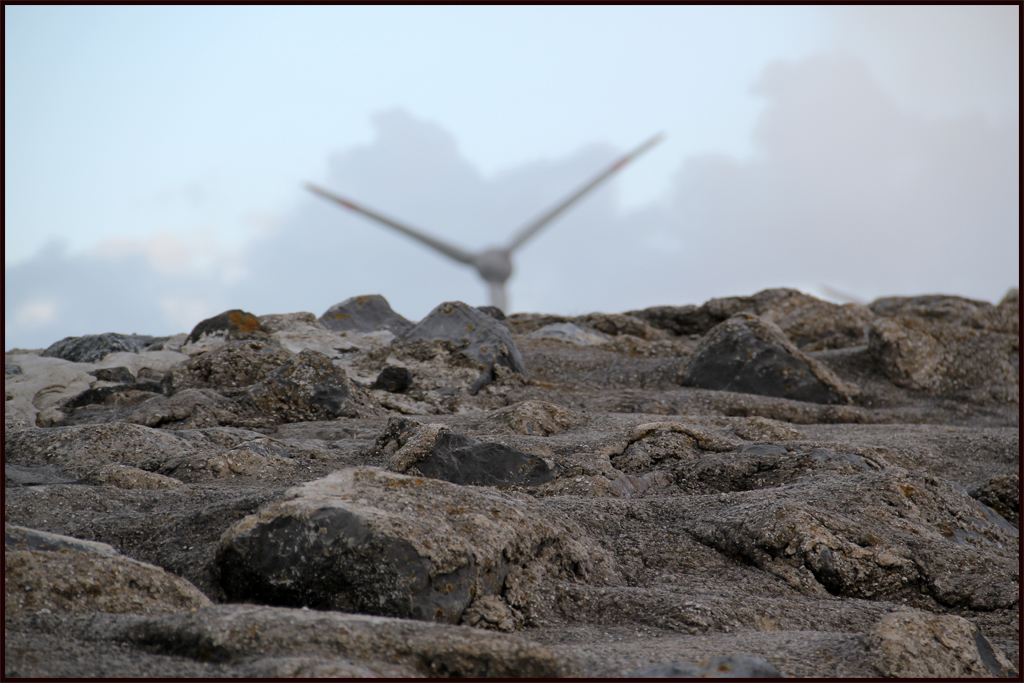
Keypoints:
pixel 36 313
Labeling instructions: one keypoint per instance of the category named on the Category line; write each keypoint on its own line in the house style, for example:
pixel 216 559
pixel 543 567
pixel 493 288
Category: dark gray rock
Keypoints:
pixel 492 311
pixel 101 394
pixel 233 324
pixel 17 475
pixel 93 348
pixel 393 379
pixel 12 369
pixel 367 540
pixel 368 313
pixel 733 666
pixel 120 374
pixel 1002 494
pixel 437 452
pixel 230 369
pixel 475 335
pixel 748 355
pixel 306 387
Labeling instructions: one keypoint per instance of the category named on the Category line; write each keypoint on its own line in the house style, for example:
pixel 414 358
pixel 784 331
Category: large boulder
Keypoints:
pixel 371 541
pixel 368 313
pixel 474 334
pixel 749 355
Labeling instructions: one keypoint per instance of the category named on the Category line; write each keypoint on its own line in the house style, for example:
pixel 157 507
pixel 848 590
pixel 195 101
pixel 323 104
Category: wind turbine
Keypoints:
pixel 494 265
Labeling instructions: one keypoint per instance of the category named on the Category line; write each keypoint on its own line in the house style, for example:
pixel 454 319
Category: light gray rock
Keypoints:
pixel 920 645
pixel 569 332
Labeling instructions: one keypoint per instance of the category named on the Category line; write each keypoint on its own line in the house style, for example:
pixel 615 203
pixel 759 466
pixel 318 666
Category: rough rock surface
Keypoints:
pixel 369 313
pixel 269 497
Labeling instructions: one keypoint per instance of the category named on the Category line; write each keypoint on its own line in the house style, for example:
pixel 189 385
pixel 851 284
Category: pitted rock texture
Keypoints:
pixel 585 516
pixel 348 542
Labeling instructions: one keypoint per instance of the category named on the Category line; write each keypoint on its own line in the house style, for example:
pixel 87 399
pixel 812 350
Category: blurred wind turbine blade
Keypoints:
pixel 534 227
pixel 833 293
pixel 443 247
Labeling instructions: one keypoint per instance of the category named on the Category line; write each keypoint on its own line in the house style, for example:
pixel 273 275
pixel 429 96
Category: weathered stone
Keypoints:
pixel 93 348
pixel 120 374
pixel 925 537
pixel 568 332
pixel 127 477
pixel 230 369
pixel 48 572
pixel 79 451
pixel 371 541
pixel 1002 494
pixel 233 325
pixel 437 452
pixel 368 313
pixel 749 355
pixel 393 379
pixel 732 666
pixel 298 331
pixel 810 323
pixel 12 369
pixel 946 358
pixel 188 409
pixel 953 310
pixel 492 311
pixel 921 645
pixel 618 324
pixel 228 633
pixel 306 387
pixel 475 335
pixel 532 418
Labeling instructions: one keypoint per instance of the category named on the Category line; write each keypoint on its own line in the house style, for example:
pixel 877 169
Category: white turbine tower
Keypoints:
pixel 494 265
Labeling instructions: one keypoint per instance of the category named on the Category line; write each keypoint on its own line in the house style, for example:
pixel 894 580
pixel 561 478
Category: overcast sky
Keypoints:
pixel 154 156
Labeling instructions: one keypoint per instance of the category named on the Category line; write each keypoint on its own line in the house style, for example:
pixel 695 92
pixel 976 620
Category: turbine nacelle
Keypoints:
pixel 494 265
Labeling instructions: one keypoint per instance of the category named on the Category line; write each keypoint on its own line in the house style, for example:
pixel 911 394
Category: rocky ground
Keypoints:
pixel 757 486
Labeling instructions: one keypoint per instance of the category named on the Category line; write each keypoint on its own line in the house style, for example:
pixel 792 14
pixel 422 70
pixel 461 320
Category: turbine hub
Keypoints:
pixel 494 265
